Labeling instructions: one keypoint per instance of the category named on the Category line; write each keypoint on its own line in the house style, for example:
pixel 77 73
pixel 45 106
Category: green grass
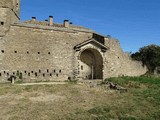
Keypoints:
pixel 71 81
pixel 80 102
pixel 143 89
pixel 143 79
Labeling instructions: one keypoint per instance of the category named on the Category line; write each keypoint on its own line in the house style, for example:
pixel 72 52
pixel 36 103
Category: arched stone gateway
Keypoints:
pixel 91 64
pixel 89 57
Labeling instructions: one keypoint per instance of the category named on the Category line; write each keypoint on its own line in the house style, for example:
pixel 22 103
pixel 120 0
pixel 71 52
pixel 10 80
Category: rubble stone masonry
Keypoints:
pixel 34 50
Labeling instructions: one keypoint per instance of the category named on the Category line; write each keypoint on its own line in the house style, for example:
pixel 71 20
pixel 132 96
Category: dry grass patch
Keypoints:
pixel 77 102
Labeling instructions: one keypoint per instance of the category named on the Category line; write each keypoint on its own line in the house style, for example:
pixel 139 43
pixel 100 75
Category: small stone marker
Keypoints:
pixel 12 80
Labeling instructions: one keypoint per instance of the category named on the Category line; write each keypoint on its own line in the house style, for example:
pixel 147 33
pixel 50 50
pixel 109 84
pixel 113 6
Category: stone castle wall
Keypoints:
pixel 118 63
pixel 40 52
pixel 44 51
pixel 7 17
pixel 9 14
pixel 47 54
pixel 14 5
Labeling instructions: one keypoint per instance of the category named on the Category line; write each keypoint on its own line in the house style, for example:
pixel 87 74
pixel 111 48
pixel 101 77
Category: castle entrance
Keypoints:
pixel 91 65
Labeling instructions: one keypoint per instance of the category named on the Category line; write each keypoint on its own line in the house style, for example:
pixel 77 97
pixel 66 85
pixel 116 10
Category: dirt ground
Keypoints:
pixel 68 102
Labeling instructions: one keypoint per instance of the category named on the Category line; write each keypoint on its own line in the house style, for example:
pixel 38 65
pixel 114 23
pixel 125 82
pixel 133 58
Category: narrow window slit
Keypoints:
pixel 43 74
pixel 81 67
pixel 57 75
pixel 36 74
pixel 2 23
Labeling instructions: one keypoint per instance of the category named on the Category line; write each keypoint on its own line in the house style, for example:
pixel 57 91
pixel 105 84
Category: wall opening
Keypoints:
pixel 17 73
pixel 43 74
pixel 36 74
pixel 2 23
pixel 91 65
pixel 81 67
pixel 57 75
pixel 20 75
pixel 2 51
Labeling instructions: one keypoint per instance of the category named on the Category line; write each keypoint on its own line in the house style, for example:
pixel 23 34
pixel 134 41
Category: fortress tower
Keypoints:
pixel 9 13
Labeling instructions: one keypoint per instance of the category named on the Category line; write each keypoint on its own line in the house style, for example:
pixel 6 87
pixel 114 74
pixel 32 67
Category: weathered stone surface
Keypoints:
pixel 41 52
pixel 9 13
pixel 6 3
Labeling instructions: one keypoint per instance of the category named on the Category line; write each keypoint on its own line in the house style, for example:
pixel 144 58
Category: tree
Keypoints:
pixel 149 55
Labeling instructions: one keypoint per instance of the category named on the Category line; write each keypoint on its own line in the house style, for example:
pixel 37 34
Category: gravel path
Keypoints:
pixel 44 83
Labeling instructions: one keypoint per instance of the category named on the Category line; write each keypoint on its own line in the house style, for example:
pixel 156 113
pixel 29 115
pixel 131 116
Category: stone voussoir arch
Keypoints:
pixel 90 63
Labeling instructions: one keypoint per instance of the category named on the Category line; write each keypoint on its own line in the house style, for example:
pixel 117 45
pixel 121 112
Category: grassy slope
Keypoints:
pixel 80 102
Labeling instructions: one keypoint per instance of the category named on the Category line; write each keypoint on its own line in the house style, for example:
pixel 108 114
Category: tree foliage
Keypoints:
pixel 149 55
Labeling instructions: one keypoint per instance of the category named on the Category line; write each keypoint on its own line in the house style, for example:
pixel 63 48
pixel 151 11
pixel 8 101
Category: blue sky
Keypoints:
pixel 135 23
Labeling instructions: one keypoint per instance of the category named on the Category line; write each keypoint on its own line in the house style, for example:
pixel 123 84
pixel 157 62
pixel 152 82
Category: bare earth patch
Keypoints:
pixel 47 98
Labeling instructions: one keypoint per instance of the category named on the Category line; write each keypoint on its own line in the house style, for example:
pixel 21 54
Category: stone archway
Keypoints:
pixel 91 64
